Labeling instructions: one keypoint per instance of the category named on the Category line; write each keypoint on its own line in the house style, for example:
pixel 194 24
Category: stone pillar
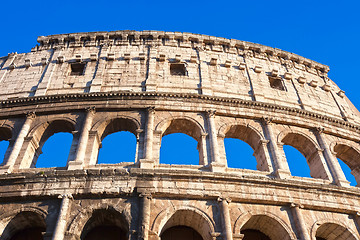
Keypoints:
pixel 224 205
pixel 216 164
pixel 151 79
pixel 145 200
pixel 148 162
pixel 61 222
pixel 333 164
pixel 203 155
pixel 5 67
pixel 46 77
pixel 299 221
pixel 83 141
pixel 281 169
pixel 356 218
pixel 18 144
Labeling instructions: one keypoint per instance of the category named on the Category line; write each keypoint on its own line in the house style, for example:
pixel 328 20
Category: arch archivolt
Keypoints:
pixel 6 131
pixel 41 125
pixel 345 229
pixel 345 143
pixel 100 125
pixel 203 223
pixel 302 135
pixel 40 133
pixel 78 222
pixel 249 133
pixel 282 227
pixel 349 153
pixel 309 148
pixel 249 126
pixel 6 217
pixel 165 123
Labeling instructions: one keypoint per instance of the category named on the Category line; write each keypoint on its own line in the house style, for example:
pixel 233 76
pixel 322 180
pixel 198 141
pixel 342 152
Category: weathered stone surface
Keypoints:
pixel 152 84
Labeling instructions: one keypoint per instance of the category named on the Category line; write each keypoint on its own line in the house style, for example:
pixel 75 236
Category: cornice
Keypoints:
pixel 28 101
pixel 176 39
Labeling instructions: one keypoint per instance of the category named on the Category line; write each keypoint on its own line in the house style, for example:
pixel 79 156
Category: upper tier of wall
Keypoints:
pixel 172 62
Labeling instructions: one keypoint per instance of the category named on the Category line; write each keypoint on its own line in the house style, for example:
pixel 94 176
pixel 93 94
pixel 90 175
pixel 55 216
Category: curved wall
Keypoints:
pixel 156 83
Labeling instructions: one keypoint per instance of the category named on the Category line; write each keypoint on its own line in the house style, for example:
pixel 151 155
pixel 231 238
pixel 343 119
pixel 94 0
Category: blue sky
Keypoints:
pixel 324 31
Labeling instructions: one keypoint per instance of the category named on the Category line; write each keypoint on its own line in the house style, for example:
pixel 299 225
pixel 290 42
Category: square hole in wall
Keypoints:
pixel 277 83
pixel 178 69
pixel 77 69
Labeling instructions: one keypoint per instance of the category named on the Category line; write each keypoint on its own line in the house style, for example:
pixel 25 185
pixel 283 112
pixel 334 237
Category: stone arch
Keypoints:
pixel 185 125
pixel 309 148
pixel 39 134
pixel 20 219
pixel 109 125
pixel 350 155
pixel 332 229
pixel 6 134
pixel 253 137
pixel 268 223
pixel 76 226
pixel 173 125
pixel 189 216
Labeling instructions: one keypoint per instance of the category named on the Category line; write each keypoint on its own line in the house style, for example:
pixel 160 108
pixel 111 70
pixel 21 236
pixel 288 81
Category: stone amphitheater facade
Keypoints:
pixel 151 84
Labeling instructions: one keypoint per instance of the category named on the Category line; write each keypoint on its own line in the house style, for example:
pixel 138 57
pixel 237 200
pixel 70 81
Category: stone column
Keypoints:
pixel 216 164
pixel 18 144
pixel 299 221
pixel 281 169
pixel 148 162
pixel 145 200
pixel 61 222
pixel 333 164
pixel 83 141
pixel 224 205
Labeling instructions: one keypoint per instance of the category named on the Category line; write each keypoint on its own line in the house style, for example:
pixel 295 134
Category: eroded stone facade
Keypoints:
pixel 157 83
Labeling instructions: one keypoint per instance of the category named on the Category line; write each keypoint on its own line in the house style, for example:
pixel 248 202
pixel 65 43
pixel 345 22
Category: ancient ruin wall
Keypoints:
pixel 156 83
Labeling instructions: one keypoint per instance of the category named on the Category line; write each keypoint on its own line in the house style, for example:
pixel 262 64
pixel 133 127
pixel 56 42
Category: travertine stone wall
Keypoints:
pixel 156 83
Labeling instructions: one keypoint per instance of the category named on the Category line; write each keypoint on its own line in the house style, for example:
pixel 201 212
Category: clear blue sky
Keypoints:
pixel 324 31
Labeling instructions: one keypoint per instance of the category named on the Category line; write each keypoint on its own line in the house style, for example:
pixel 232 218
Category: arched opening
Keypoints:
pixel 118 141
pixel 297 162
pixel 239 154
pixel 251 234
pixel 187 223
pixel 5 136
pixel 61 142
pixel 183 137
pixel 350 158
pixel 179 148
pixel 106 224
pixel 3 148
pixel 180 233
pixel 117 147
pixel 244 148
pixel 264 227
pixel 310 151
pixel 25 226
pixel 332 231
pixel 55 151
pixel 347 171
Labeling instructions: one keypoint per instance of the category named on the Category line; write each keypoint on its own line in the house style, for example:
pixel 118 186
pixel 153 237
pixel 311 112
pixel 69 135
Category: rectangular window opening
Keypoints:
pixel 77 69
pixel 276 83
pixel 178 69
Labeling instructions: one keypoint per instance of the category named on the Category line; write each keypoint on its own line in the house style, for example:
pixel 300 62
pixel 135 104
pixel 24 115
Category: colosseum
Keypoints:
pixel 152 84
